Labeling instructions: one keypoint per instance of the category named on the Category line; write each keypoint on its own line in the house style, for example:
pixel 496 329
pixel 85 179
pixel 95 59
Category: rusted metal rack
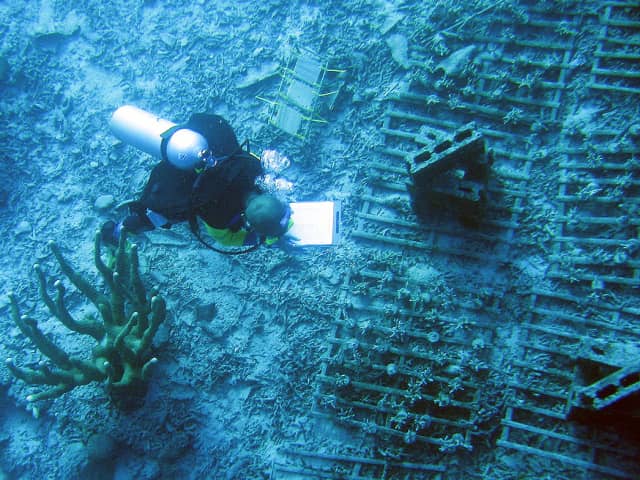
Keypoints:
pixel 548 84
pixel 386 217
pixel 597 238
pixel 617 57
pixel 513 91
pixel 523 75
pixel 298 462
pixel 565 340
pixel 402 372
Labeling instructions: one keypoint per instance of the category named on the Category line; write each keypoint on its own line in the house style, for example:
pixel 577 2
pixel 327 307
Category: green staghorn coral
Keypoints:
pixel 129 320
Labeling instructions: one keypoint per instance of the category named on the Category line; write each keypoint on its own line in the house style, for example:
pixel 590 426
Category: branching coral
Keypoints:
pixel 129 320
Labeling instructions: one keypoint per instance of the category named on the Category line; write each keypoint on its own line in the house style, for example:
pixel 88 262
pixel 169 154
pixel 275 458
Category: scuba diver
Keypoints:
pixel 204 173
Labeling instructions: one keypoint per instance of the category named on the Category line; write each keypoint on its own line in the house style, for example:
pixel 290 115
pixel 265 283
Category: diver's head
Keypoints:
pixel 267 215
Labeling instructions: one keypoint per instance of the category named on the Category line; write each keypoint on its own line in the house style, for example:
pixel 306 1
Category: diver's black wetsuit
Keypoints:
pixel 217 194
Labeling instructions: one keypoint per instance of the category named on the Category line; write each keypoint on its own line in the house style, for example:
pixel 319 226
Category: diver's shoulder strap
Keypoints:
pixel 166 135
pixel 244 151
pixel 211 181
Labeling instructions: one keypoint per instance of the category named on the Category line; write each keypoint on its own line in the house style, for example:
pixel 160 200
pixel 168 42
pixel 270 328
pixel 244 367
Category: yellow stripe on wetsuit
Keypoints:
pixel 225 236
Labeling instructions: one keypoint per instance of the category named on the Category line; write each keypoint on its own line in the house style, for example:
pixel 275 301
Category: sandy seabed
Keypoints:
pixel 244 339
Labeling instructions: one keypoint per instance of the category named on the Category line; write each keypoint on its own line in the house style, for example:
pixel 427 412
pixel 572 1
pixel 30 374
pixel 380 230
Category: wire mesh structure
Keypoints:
pixel 296 105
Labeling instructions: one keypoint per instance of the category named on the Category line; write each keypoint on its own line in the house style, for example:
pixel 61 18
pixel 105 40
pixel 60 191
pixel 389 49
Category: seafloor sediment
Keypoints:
pixel 459 343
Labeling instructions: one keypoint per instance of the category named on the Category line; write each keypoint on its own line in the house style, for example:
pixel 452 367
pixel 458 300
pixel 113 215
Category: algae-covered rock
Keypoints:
pixel 101 447
pixel 103 202
pixel 455 63
pixel 399 49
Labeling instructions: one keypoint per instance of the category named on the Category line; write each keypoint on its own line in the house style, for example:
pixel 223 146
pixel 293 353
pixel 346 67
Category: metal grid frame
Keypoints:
pixel 561 332
pixel 518 95
pixel 598 232
pixel 404 373
pixel 513 94
pixel 617 56
pixel 298 462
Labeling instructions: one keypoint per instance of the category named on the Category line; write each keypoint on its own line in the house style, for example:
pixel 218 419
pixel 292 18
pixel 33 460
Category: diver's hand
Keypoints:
pixel 289 241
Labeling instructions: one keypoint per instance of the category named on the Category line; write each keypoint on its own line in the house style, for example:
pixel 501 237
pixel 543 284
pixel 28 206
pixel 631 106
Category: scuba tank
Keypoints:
pixel 183 148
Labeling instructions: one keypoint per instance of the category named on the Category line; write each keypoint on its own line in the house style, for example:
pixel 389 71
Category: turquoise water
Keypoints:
pixel 484 328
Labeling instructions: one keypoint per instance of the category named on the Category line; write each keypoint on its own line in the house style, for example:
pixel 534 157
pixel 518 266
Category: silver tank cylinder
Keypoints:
pixel 144 130
pixel 185 148
pixel 139 128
